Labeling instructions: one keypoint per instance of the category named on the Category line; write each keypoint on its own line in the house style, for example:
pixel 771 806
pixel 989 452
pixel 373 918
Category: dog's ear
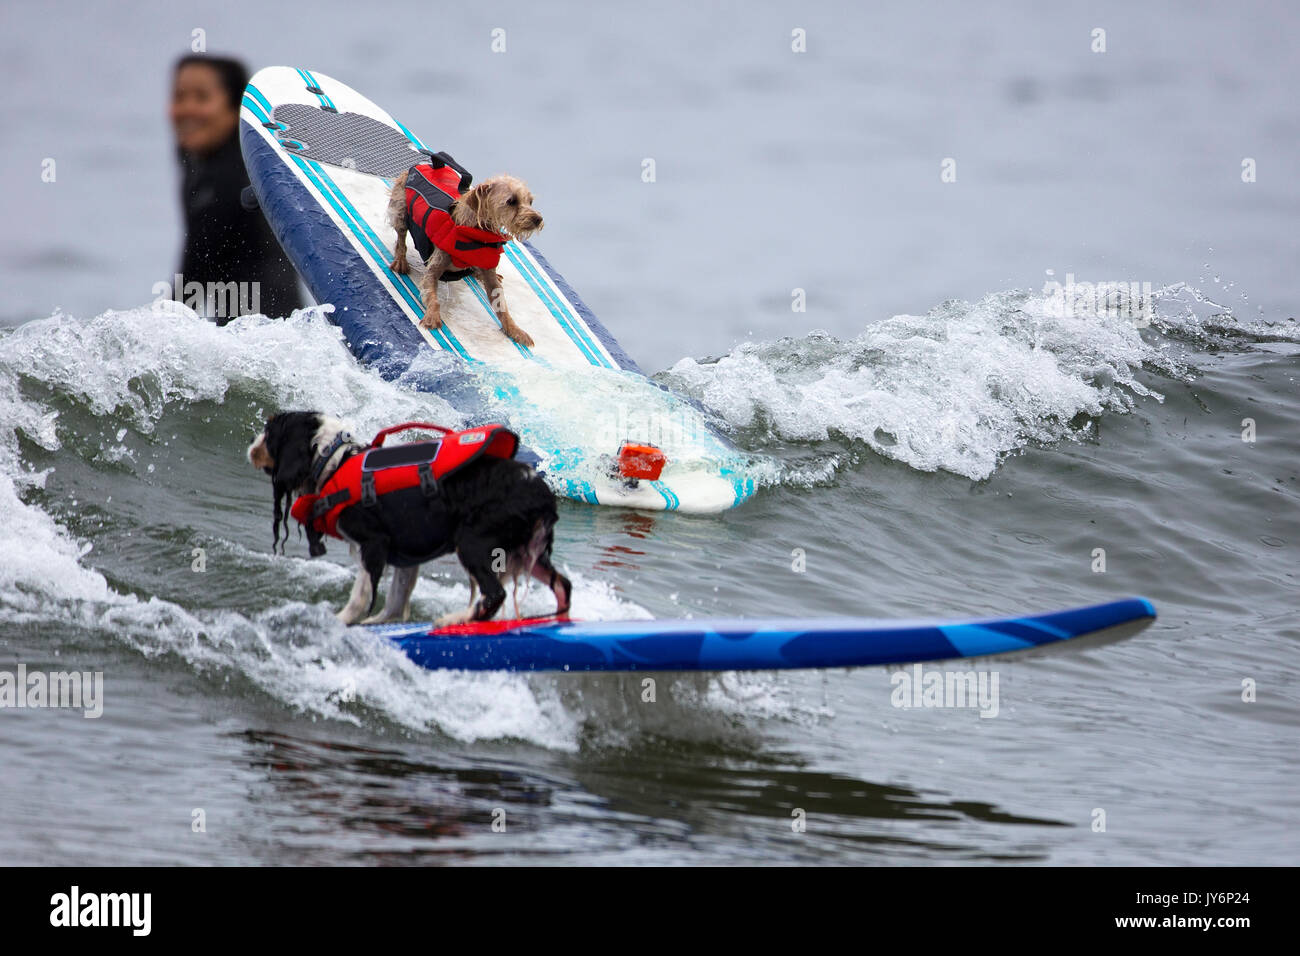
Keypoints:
pixel 473 201
pixel 292 464
pixel 288 439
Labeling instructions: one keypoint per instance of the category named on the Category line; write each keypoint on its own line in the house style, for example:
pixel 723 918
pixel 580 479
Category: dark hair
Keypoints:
pixel 231 72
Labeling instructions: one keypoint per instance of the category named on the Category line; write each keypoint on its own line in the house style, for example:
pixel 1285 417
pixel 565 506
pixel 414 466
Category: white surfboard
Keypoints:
pixel 322 159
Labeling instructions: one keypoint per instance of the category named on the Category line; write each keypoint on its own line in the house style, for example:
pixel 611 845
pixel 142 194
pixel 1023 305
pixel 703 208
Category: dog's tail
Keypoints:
pixel 539 544
pixel 525 559
pixel 539 554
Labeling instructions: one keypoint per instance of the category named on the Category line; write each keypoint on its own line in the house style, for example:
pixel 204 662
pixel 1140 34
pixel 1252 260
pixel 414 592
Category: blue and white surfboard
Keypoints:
pixel 322 159
pixel 732 645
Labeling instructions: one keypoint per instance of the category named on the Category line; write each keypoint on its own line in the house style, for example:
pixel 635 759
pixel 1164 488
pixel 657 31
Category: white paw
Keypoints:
pixel 454 617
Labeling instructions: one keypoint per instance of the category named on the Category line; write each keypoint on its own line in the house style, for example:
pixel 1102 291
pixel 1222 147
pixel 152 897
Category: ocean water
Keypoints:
pixel 932 434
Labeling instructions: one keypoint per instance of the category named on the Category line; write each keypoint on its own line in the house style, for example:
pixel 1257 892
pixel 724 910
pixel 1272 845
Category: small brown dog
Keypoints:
pixel 459 231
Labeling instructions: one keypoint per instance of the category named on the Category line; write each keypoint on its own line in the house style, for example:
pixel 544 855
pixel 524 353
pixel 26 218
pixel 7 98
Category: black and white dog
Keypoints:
pixel 496 514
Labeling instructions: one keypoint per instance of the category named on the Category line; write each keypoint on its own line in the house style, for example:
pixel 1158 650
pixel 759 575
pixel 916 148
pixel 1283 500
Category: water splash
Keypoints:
pixel 957 389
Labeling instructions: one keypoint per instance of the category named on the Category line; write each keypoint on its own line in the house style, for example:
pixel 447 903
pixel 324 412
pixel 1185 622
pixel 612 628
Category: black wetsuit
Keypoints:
pixel 227 242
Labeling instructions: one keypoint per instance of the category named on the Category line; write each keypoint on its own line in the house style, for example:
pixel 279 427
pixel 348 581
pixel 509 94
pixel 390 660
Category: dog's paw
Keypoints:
pixel 520 336
pixel 400 266
pixel 388 617
pixel 455 617
pixel 431 321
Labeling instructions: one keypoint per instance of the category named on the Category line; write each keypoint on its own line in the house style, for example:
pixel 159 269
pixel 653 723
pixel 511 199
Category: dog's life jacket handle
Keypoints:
pixel 407 426
pixel 443 158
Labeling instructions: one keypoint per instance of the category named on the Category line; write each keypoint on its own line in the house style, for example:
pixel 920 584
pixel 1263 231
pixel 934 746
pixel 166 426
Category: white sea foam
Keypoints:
pixel 957 389
pixel 134 364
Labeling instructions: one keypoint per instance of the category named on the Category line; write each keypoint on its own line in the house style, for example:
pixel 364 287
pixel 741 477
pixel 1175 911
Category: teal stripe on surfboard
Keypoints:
pixel 481 294
pixel 310 80
pixel 577 331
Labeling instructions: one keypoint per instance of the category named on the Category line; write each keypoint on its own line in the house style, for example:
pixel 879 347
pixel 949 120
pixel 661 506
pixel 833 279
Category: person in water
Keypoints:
pixel 227 239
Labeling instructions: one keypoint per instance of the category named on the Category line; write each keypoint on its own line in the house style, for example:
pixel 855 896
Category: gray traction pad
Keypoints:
pixel 350 140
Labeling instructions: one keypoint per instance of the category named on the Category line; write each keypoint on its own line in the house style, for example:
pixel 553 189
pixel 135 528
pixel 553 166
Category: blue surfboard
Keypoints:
pixel 322 159
pixel 548 644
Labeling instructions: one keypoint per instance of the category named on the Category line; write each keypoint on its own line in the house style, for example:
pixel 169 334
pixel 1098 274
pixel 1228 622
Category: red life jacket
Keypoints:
pixel 432 188
pixel 369 475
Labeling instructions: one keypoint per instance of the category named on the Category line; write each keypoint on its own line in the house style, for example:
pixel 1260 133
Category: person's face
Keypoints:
pixel 201 113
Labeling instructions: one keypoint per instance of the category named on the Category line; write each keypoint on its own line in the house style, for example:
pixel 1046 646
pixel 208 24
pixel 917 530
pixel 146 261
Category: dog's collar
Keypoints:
pixel 318 476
